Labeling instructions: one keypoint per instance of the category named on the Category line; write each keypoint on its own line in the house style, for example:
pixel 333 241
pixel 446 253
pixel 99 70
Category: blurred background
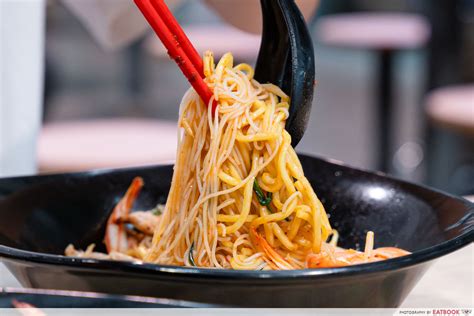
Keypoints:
pixel 394 89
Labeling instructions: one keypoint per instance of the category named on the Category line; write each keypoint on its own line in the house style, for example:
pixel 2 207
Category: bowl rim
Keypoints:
pixel 417 257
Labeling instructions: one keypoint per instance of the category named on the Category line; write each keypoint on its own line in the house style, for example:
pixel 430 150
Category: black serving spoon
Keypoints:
pixel 286 58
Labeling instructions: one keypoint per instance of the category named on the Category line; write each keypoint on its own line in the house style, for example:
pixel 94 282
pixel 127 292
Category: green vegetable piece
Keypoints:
pixel 262 199
pixel 158 210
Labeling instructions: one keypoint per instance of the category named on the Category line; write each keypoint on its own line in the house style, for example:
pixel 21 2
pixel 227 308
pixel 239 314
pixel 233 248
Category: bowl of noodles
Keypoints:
pixel 240 219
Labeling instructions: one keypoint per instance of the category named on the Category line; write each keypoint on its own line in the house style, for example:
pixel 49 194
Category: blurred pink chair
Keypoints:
pixel 452 108
pixel 221 39
pixel 106 143
pixel 450 136
pixel 385 34
pixel 377 31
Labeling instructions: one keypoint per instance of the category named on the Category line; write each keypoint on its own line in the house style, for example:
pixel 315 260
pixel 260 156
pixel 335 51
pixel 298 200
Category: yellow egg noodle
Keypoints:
pixel 239 198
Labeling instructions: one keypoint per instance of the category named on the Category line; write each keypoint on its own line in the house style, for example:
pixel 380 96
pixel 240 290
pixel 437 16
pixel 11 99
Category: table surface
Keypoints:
pixel 448 283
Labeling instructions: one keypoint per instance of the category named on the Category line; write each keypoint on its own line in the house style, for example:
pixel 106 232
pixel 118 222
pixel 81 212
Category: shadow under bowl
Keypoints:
pixel 41 298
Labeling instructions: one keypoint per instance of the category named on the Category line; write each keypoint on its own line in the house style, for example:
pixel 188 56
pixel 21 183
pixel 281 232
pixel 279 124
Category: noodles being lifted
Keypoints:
pixel 239 198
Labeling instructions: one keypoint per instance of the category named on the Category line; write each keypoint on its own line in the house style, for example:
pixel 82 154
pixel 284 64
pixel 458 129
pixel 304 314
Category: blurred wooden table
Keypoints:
pixel 448 283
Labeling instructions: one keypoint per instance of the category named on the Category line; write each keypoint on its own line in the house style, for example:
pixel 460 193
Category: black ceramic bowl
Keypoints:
pixel 40 216
pixel 41 298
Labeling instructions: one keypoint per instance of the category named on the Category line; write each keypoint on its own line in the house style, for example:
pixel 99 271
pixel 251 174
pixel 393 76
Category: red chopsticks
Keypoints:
pixel 167 17
pixel 177 43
